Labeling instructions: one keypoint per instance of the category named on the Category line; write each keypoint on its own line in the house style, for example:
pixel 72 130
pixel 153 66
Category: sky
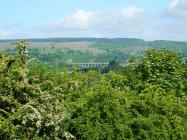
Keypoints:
pixel 145 19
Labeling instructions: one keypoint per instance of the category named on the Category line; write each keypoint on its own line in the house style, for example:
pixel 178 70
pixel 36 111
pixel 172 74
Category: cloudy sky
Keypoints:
pixel 146 19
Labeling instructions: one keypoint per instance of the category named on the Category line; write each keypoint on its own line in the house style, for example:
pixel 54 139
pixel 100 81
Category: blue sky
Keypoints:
pixel 36 11
pixel 147 19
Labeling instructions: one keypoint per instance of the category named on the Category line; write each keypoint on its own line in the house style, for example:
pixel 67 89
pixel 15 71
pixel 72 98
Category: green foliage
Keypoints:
pixel 112 66
pixel 144 100
pixel 29 110
pixel 102 115
pixel 158 115
pixel 163 67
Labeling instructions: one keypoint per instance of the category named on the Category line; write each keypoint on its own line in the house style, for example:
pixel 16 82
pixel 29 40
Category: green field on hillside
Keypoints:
pixel 61 51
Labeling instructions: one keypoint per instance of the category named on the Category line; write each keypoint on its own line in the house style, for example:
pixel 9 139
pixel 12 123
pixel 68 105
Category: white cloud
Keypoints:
pixel 126 22
pixel 4 34
pixel 131 12
pixel 173 23
pixel 177 8
pixel 130 22
pixel 79 20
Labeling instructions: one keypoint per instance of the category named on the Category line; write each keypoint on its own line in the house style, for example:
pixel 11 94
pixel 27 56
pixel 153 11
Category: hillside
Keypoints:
pixel 60 51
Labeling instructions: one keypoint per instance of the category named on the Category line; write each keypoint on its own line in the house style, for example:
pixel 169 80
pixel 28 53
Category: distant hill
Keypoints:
pixel 74 39
pixel 64 50
pixel 112 43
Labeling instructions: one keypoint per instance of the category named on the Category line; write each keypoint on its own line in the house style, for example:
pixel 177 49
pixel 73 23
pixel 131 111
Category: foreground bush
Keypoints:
pixel 28 111
pixel 108 113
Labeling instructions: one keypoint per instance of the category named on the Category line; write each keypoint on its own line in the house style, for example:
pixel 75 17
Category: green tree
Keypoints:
pixel 103 114
pixel 163 67
pixel 28 109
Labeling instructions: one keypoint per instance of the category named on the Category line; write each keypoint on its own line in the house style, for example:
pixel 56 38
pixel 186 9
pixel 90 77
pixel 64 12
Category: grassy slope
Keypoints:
pixel 91 49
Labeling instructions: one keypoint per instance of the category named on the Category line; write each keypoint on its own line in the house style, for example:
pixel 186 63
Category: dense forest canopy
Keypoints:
pixel 145 100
